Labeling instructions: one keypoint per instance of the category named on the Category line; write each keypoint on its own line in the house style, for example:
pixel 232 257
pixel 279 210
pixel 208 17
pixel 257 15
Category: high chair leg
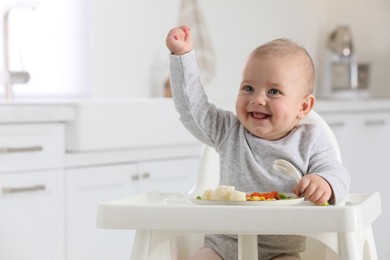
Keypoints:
pixel 247 247
pixel 141 245
pixel 369 246
pixel 351 246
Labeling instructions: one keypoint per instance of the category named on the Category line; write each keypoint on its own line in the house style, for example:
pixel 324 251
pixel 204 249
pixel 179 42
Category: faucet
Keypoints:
pixel 8 77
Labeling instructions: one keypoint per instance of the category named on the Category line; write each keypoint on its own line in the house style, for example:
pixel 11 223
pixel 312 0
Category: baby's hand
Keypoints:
pixel 314 188
pixel 179 40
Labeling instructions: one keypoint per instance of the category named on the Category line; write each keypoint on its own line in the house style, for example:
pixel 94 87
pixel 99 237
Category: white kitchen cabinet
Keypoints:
pixel 27 147
pixel 176 175
pixel 32 192
pixel 32 216
pixel 364 140
pixel 88 186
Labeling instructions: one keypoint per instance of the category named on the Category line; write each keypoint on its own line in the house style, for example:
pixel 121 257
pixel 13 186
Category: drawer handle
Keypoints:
pixel 375 122
pixel 135 177
pixel 10 190
pixel 27 149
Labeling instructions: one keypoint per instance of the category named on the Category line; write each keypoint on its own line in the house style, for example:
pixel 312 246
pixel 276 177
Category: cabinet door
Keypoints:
pixel 32 216
pixel 86 188
pixel 370 171
pixel 176 175
pixel 364 140
pixel 342 125
pixel 370 148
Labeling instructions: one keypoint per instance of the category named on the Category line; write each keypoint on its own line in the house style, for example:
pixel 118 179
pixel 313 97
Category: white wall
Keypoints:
pixel 126 45
pixel 97 48
pixel 241 26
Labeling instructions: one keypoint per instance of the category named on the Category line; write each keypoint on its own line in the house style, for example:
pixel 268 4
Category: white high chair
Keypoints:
pixel 348 236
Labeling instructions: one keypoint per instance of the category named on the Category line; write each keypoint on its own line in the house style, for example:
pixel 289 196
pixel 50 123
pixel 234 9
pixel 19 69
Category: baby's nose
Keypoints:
pixel 259 99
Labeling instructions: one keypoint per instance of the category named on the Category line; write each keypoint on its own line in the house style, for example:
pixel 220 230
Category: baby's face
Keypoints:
pixel 272 96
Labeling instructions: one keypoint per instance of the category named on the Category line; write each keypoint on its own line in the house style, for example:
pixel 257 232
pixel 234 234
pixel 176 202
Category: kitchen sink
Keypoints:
pixel 112 124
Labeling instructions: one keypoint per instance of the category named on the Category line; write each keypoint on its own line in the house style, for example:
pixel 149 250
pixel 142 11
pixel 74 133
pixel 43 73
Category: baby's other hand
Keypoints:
pixel 179 40
pixel 314 188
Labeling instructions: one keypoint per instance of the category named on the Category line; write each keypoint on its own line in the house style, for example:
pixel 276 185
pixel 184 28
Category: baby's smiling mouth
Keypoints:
pixel 259 115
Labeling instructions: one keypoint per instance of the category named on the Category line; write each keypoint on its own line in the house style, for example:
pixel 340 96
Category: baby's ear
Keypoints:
pixel 306 106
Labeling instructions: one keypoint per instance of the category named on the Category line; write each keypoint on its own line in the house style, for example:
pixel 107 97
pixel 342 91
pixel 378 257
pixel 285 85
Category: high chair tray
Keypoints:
pixel 175 211
pixel 282 202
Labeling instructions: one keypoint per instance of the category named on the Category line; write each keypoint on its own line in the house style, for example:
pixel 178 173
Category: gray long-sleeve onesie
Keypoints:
pixel 246 160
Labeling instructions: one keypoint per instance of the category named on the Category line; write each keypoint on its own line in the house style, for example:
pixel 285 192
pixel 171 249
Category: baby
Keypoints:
pixel 275 94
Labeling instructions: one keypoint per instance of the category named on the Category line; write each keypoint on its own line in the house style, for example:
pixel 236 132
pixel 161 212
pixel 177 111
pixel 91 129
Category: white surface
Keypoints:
pixel 178 215
pixel 114 124
pixel 125 123
pixel 32 222
pixel 139 211
pixel 36 147
pixel 339 105
pixel 344 105
pixel 87 186
pixel 104 124
pixel 29 112
pixel 32 191
pixel 284 202
pixel 82 159
pixel 364 140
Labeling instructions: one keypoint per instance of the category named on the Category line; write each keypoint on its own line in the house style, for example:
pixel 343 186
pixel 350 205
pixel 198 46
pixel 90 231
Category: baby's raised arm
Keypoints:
pixel 179 40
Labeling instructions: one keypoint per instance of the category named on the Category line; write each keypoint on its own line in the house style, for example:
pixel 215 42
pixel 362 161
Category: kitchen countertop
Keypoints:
pixel 338 105
pixel 65 110
pixel 35 112
pixel 124 123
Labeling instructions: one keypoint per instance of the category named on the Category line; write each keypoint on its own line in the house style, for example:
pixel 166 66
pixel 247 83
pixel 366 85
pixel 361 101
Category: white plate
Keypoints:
pixel 284 202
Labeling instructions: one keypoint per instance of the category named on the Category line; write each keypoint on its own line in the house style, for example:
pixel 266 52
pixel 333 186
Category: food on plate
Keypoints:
pixel 222 192
pixel 229 193
pixel 261 196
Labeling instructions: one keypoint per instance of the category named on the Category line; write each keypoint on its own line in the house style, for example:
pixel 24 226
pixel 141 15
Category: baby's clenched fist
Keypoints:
pixel 179 40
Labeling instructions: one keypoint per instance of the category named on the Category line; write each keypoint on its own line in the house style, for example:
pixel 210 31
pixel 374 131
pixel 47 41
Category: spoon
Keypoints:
pixel 287 168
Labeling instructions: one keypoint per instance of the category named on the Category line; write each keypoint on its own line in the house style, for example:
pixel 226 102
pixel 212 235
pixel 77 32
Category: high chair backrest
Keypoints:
pixel 208 175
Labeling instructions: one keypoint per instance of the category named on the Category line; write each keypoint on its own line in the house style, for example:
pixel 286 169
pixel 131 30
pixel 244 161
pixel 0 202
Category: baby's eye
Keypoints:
pixel 273 92
pixel 248 88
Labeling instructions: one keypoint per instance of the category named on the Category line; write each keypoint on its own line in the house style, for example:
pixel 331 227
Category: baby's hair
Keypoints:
pixel 284 47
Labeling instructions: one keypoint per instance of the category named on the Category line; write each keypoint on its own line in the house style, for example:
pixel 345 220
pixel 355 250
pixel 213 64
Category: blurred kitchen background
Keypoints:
pixel 97 77
pixel 91 48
